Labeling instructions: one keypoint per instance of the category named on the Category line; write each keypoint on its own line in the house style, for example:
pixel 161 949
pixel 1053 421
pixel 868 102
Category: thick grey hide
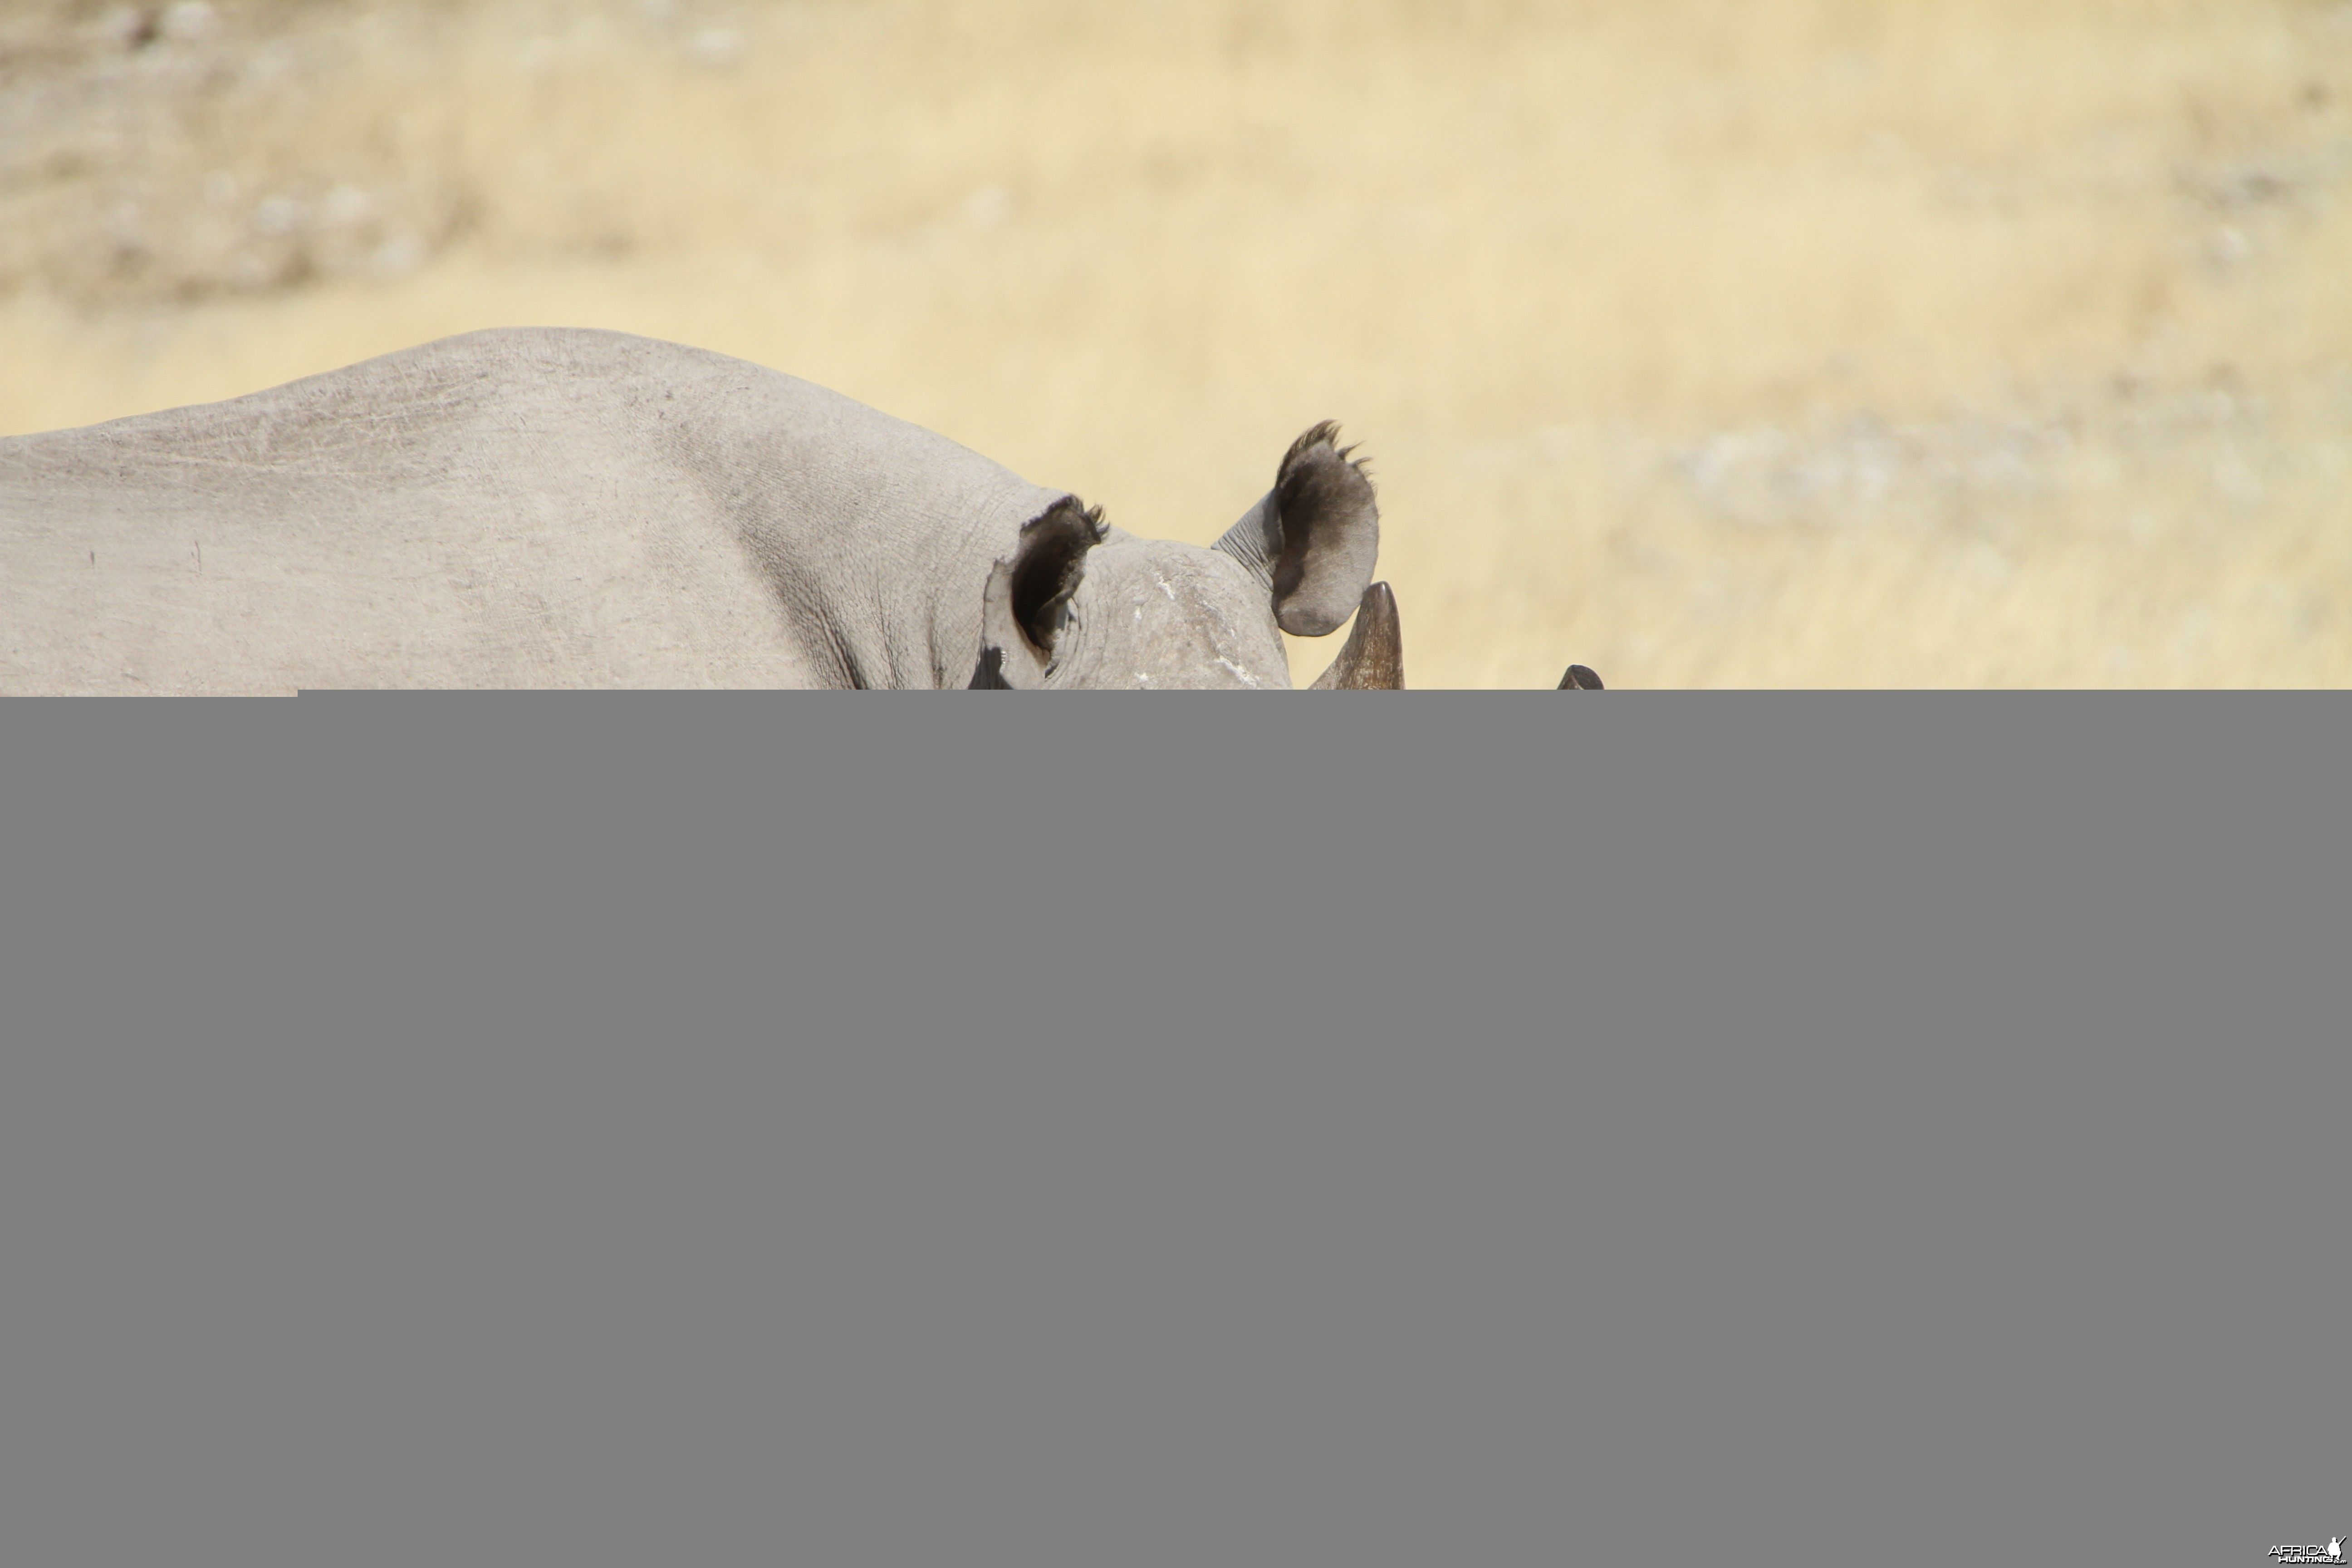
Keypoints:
pixel 574 509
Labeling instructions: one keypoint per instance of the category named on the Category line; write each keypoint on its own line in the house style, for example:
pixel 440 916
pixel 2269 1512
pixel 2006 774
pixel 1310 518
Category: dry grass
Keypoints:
pixel 1759 342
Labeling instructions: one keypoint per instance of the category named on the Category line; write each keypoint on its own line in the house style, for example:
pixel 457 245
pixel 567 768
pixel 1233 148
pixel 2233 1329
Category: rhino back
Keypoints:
pixel 507 509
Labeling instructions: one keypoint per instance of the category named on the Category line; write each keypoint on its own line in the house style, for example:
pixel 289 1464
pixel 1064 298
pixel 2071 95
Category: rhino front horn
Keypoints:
pixel 1373 658
pixel 1579 678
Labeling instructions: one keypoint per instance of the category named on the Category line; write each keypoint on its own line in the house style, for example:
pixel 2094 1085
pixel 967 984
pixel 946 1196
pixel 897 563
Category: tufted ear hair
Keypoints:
pixel 1026 603
pixel 1314 538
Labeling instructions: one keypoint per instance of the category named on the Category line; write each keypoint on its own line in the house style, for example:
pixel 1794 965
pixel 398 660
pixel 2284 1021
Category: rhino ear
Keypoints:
pixel 1314 538
pixel 1027 604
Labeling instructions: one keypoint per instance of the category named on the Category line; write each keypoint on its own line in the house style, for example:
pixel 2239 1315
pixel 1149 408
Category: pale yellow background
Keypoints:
pixel 1753 342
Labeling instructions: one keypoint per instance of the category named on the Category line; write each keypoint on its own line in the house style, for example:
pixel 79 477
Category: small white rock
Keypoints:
pixel 280 215
pixel 398 256
pixel 251 273
pixel 988 207
pixel 2235 481
pixel 2228 247
pixel 347 206
pixel 716 48
pixel 189 22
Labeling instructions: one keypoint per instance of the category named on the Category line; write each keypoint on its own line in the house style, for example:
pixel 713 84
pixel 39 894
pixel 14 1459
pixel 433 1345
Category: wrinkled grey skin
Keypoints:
pixel 555 508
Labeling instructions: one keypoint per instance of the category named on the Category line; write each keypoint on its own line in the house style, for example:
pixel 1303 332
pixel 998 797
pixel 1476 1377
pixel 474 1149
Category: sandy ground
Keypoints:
pixel 1753 342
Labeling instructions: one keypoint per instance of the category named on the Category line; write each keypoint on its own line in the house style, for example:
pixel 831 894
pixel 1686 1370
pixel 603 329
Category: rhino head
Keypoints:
pixel 1081 603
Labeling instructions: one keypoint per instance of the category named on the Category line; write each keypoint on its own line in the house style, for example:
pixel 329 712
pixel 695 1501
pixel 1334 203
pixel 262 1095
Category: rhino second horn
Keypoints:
pixel 1373 657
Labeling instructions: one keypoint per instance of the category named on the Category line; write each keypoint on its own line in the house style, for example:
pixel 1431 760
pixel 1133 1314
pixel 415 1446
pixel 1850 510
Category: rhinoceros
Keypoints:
pixel 558 507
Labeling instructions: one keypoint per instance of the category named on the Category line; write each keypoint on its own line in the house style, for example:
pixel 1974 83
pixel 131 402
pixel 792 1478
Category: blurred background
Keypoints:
pixel 1741 342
